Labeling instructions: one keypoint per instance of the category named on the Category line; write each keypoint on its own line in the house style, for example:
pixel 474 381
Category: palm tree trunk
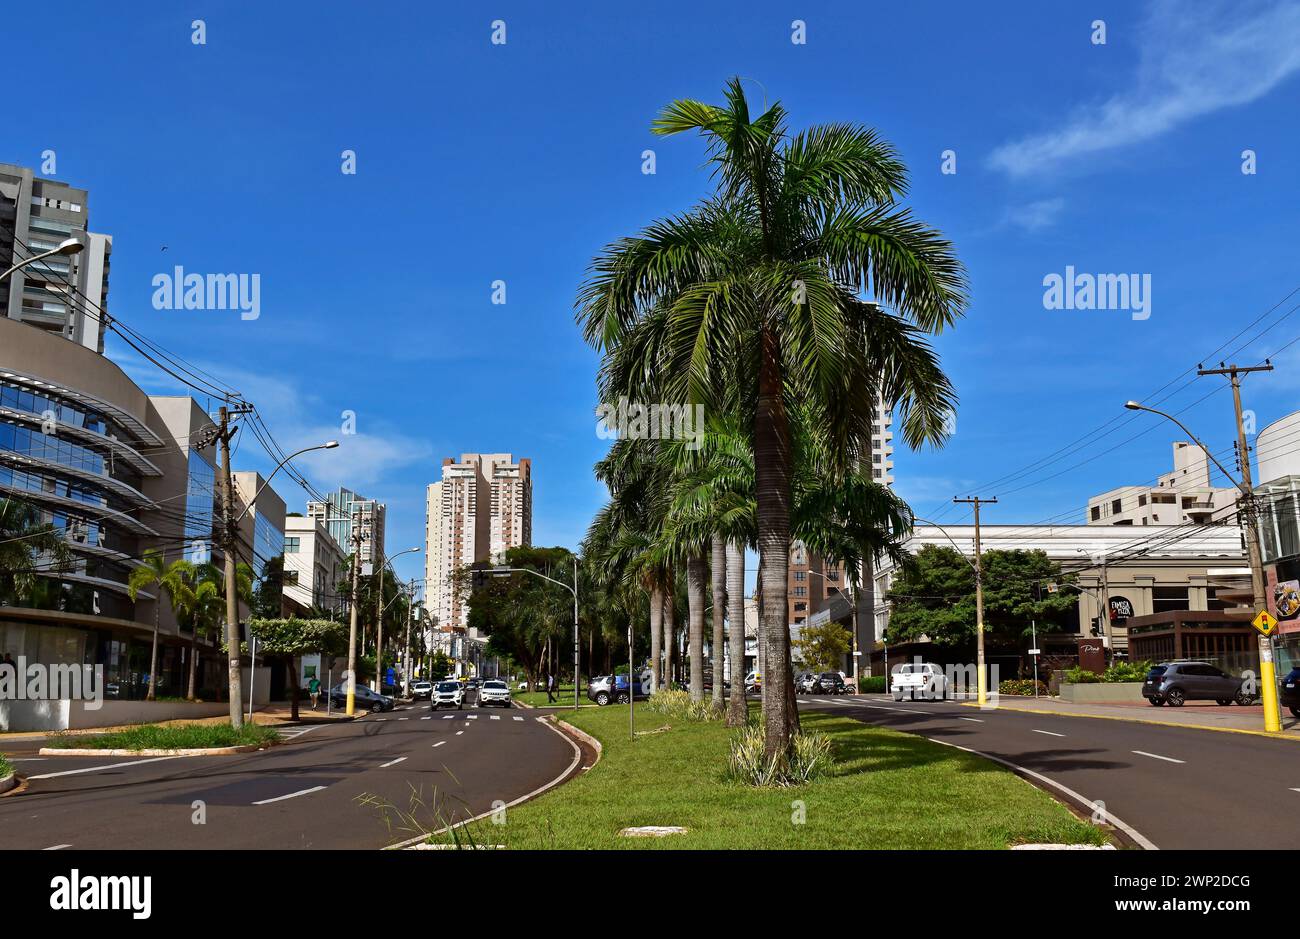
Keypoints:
pixel 152 693
pixel 670 628
pixel 772 475
pixel 737 708
pixel 719 571
pixel 695 580
pixel 194 656
pixel 656 635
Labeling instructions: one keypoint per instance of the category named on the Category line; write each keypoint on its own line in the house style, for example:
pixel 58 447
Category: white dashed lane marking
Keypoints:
pixel 391 762
pixel 1157 756
pixel 1049 733
pixel 292 795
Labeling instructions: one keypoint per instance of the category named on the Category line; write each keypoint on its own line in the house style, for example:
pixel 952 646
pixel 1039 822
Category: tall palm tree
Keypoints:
pixel 29 547
pixel 172 579
pixel 771 271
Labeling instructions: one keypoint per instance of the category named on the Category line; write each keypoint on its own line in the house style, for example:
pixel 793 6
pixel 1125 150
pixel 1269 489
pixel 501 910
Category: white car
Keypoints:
pixel 919 680
pixel 421 689
pixel 449 693
pixel 493 691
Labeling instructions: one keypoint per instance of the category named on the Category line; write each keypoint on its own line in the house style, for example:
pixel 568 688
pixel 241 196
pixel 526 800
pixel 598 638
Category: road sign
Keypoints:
pixel 1035 651
pixel 1264 622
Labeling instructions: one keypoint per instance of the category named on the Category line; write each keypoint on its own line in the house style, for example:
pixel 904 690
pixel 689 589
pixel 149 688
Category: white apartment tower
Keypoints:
pixel 482 507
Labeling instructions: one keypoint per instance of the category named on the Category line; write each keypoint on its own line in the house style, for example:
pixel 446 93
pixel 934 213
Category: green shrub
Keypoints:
pixel 810 758
pixel 6 768
pixel 677 705
pixel 1127 671
pixel 1021 686
pixel 169 737
pixel 872 684
pixel 1081 676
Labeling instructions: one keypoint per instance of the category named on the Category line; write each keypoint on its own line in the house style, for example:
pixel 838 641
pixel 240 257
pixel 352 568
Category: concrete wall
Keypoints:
pixel 1106 692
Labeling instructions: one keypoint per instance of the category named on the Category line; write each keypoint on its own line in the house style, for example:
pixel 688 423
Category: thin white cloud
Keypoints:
pixel 1034 216
pixel 1193 62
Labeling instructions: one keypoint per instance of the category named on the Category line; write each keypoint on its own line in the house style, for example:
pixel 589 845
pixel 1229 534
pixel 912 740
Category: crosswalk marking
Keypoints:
pixel 518 718
pixel 426 718
pixel 496 717
pixel 459 732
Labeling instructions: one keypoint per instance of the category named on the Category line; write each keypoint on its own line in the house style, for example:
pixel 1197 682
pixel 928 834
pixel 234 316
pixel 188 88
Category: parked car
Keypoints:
pixel 608 689
pixel 421 690
pixel 448 693
pixel 919 679
pixel 1291 691
pixel 753 683
pixel 365 699
pixel 829 683
pixel 1174 683
pixel 804 682
pixel 494 691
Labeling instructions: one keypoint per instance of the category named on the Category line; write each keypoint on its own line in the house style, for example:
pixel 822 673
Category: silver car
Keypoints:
pixel 493 691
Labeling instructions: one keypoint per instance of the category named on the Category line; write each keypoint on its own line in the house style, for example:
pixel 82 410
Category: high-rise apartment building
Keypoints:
pixel 811 581
pixel 337 513
pixel 482 507
pixel 36 215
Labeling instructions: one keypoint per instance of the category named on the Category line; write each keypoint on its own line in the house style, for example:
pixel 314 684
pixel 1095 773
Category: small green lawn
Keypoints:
pixel 6 768
pixel 169 737
pixel 538 698
pixel 890 790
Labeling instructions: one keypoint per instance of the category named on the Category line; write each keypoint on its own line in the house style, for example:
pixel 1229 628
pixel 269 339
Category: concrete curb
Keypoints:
pixel 152 751
pixel 582 735
pixel 8 782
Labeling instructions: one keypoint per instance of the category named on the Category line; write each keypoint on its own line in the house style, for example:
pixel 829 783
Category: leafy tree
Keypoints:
pixel 822 648
pixel 439 666
pixel 519 612
pixel 284 640
pixel 934 595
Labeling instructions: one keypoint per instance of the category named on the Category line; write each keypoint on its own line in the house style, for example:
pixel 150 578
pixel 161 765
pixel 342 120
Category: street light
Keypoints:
pixel 66 248
pixel 1268 676
pixel 496 571
pixel 381 607
pixel 328 445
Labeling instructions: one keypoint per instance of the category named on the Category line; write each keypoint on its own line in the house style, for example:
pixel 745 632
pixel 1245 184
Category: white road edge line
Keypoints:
pixel 56 847
pixel 1145 843
pixel 1048 732
pixel 440 743
pixel 391 762
pixel 292 795
pixel 577 757
pixel 973 720
pixel 1157 756
pixel 459 732
pixel 93 769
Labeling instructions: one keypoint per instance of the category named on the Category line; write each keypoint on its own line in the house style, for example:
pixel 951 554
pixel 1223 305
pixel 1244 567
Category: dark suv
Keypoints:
pixel 1174 683
pixel 1291 691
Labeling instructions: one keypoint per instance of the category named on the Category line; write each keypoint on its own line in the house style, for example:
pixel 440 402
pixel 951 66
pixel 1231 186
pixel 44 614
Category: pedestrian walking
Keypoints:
pixel 313 689
pixel 550 689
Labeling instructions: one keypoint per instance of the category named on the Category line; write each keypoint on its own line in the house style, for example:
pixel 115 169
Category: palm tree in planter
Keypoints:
pixel 172 579
pixel 791 265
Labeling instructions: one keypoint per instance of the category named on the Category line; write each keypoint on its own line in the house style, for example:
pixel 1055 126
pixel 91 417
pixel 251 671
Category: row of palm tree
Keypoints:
pixel 754 304
pixel 196 594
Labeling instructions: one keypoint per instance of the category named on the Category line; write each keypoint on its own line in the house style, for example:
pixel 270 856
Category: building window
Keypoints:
pixel 1096 513
pixel 1167 599
pixel 1115 507
pixel 292 545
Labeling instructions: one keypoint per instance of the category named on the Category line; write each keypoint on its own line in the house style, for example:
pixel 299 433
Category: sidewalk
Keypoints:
pixel 1196 714
pixel 272 715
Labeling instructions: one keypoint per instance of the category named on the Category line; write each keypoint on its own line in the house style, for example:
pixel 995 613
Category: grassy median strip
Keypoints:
pixel 169 737
pixel 887 790
pixel 6 768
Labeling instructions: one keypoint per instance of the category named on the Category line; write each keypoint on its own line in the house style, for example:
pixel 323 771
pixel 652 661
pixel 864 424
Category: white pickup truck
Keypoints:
pixel 918 680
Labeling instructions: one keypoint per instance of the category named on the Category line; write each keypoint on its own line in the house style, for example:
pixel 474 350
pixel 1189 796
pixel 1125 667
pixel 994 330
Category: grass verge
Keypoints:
pixel 886 790
pixel 5 767
pixel 169 737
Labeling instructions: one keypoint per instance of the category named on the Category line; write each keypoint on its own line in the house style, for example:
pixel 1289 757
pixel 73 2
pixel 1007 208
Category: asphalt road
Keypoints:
pixel 1174 787
pixel 324 788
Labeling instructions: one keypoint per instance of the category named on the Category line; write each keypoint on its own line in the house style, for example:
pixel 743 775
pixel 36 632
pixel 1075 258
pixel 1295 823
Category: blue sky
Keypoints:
pixel 478 162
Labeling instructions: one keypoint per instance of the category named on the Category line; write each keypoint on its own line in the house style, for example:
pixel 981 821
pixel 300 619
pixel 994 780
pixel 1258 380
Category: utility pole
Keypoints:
pixel 352 627
pixel 1250 518
pixel 229 539
pixel 631 688
pixel 981 681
